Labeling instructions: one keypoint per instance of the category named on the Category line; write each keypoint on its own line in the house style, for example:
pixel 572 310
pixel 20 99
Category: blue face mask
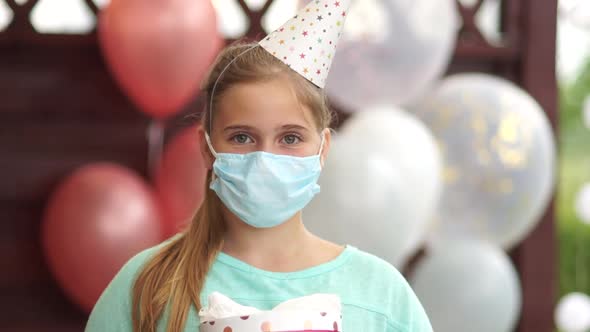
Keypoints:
pixel 264 189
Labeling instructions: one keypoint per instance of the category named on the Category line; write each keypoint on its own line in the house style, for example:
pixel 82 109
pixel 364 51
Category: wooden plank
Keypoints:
pixel 485 53
pixel 20 250
pixel 42 307
pixel 31 300
pixel 537 255
pixel 42 153
pixel 54 138
pixel 23 180
pixel 40 79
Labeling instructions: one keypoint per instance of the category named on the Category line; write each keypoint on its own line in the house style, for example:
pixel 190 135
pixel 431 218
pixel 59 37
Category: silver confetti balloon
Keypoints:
pixel 498 152
pixel 392 51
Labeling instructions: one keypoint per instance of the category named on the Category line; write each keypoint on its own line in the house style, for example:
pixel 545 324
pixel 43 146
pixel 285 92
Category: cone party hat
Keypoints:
pixel 307 42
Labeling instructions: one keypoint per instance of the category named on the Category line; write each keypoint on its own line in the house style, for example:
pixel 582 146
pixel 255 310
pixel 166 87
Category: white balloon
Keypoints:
pixel 566 6
pixel 573 313
pixel 578 12
pixel 583 204
pixel 380 185
pixel 499 158
pixel 391 51
pixel 468 287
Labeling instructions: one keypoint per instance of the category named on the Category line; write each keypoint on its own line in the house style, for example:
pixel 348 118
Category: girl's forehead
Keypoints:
pixel 264 103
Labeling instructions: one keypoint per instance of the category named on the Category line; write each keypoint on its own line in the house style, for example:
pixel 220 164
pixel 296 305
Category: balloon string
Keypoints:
pixel 155 136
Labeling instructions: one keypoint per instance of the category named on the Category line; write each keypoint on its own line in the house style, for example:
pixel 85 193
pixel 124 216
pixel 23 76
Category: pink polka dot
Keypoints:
pixel 266 327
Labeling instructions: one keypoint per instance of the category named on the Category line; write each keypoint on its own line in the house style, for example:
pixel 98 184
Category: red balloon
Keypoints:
pixel 97 219
pixel 159 50
pixel 180 179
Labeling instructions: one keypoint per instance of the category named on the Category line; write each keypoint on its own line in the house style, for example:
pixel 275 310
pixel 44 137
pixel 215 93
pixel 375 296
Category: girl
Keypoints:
pixel 266 139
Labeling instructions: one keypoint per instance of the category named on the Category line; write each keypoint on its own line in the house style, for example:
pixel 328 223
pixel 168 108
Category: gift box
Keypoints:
pixel 277 321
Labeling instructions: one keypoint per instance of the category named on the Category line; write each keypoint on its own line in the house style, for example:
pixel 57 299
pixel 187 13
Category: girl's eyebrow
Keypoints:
pixel 239 127
pixel 293 127
pixel 253 129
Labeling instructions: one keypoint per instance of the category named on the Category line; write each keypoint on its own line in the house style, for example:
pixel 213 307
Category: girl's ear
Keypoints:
pixel 206 154
pixel 326 149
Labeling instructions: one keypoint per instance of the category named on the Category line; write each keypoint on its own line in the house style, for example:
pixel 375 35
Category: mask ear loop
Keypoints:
pixel 208 140
pixel 213 152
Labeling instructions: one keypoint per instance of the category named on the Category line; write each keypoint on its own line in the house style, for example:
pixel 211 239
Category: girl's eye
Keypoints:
pixel 291 139
pixel 242 139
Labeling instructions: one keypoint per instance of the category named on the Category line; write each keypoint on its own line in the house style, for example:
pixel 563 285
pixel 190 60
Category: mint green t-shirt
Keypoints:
pixel 375 296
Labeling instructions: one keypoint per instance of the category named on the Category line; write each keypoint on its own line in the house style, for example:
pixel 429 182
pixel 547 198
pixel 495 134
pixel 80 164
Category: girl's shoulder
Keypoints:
pixel 136 263
pixel 363 264
pixel 383 289
pixel 112 311
pixel 131 269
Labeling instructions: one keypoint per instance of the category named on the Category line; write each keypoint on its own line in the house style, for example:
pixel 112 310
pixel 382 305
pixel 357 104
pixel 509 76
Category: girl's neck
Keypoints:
pixel 285 248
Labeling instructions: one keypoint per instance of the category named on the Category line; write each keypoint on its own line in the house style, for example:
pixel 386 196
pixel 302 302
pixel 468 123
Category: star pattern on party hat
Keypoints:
pixel 307 42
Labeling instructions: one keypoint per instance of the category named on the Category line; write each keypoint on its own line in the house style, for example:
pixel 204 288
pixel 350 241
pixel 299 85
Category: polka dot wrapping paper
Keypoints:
pixel 279 321
pixel 307 42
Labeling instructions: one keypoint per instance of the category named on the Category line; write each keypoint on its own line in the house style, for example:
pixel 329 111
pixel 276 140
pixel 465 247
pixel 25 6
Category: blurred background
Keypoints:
pixel 462 153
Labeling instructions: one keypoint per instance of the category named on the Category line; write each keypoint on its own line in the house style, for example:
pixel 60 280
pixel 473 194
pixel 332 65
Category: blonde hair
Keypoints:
pixel 173 279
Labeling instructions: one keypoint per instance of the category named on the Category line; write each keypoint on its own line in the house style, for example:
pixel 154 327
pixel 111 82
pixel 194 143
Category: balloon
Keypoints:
pixel 468 287
pixel 159 50
pixel 573 313
pixel 577 12
pixel 499 156
pixel 180 179
pixel 392 51
pixel 378 191
pixel 583 204
pixel 97 219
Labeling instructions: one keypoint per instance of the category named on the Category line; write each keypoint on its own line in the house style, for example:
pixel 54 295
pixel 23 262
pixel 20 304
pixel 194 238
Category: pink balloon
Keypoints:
pixel 180 179
pixel 159 50
pixel 97 219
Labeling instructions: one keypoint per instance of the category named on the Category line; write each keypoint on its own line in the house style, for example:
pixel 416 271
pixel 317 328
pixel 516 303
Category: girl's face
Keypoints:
pixel 265 116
